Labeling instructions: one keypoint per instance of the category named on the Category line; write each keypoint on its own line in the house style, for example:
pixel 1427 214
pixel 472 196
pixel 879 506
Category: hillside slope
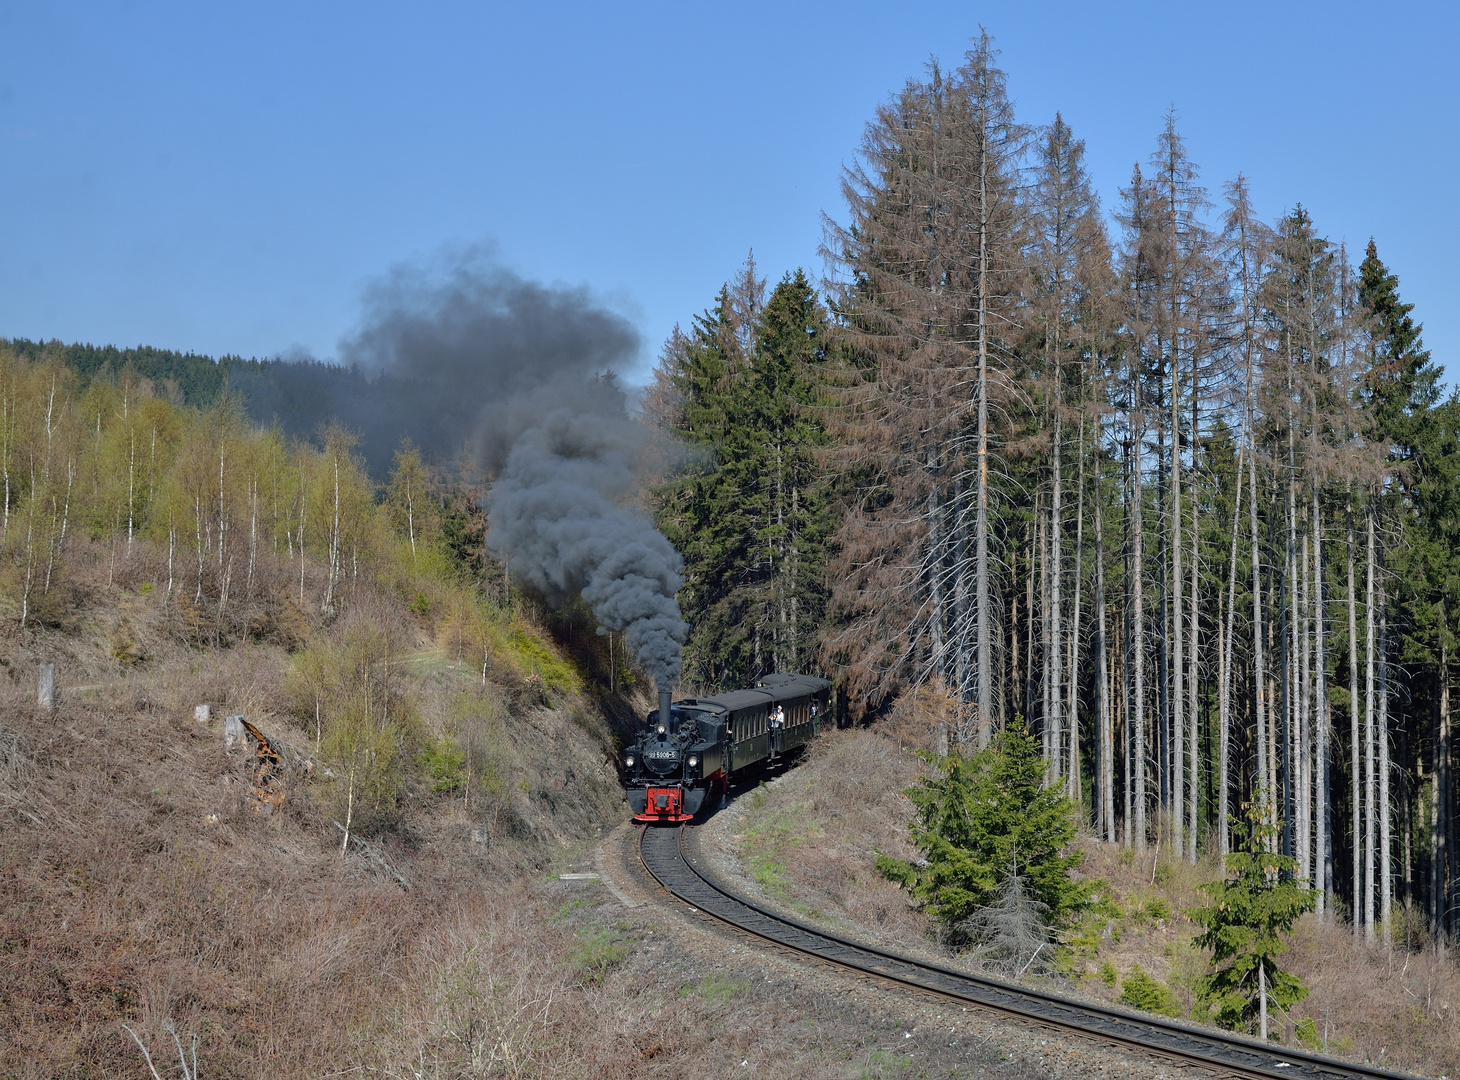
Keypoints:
pixel 142 880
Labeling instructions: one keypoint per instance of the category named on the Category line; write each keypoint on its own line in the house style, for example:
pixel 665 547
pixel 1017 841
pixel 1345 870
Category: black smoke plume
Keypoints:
pixel 559 518
pixel 457 357
pixel 471 358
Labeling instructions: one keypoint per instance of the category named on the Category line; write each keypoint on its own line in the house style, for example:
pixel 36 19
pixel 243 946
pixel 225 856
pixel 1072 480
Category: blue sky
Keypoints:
pixel 230 178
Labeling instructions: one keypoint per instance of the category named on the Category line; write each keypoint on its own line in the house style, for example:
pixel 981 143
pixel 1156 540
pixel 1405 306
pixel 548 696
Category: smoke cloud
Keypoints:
pixel 468 357
pixel 460 356
pixel 558 517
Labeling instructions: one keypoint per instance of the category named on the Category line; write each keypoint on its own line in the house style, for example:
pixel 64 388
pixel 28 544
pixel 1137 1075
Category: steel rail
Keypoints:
pixel 662 851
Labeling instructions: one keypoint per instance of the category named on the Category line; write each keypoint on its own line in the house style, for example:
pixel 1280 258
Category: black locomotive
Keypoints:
pixel 694 746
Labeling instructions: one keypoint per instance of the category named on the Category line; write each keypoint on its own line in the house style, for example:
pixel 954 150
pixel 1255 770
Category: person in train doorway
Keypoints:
pixel 778 719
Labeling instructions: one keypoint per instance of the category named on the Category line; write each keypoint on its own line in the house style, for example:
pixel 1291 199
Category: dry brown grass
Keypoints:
pixel 137 885
pixel 810 838
pixel 253 934
pixel 134 907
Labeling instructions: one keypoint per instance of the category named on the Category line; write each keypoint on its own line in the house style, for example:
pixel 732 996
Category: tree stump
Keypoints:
pixel 45 697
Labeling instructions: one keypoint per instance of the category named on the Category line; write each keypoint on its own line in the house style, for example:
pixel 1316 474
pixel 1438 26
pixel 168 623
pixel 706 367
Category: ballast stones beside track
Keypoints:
pixel 672 863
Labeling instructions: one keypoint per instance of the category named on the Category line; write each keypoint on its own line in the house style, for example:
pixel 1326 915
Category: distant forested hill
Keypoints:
pixel 197 380
pixel 301 398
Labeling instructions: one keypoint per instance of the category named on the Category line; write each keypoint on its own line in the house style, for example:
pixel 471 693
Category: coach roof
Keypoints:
pixel 772 688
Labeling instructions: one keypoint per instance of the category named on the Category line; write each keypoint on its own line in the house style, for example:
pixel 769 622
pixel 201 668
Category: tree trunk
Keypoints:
pixel 1072 720
pixel 1193 653
pixel 1224 693
pixel 1029 622
pixel 1103 711
pixel 1323 846
pixel 1386 877
pixel 1439 857
pixel 1138 653
pixel 1262 1000
pixel 1369 764
pixel 1436 872
pixel 1274 739
pixel 1127 682
pixel 981 522
pixel 1259 673
pixel 1046 635
pixel 1289 665
pixel 1355 792
pixel 1302 774
pixel 1054 644
pixel 1162 734
pixel 1175 716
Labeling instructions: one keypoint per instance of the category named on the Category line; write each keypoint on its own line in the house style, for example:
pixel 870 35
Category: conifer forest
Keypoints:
pixel 1177 485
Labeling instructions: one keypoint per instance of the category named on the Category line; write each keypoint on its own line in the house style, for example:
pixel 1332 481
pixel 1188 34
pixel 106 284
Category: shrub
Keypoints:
pixel 597 953
pixel 349 687
pixel 445 764
pixel 1143 992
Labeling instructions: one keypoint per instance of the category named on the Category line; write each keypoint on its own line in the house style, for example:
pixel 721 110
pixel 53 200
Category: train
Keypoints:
pixel 692 748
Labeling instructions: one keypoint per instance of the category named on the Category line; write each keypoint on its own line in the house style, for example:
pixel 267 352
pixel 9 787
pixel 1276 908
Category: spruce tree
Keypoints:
pixel 750 513
pixel 1401 383
pixel 1413 466
pixel 984 816
pixel 1244 928
pixel 928 305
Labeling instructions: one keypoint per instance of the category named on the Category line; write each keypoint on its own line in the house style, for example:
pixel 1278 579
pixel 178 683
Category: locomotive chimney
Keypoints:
pixel 664 707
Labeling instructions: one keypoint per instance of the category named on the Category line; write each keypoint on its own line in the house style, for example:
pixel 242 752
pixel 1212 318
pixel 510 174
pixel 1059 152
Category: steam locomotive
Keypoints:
pixel 695 745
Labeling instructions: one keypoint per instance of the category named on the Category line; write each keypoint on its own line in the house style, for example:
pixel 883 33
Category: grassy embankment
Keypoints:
pixel 808 841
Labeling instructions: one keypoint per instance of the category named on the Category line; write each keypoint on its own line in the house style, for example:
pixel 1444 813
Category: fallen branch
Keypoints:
pixel 375 857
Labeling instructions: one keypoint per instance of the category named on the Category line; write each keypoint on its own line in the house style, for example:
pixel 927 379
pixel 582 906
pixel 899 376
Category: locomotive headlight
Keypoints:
pixel 693 761
pixel 629 761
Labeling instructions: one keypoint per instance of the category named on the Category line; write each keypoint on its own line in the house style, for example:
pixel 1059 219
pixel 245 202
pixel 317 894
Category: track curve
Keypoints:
pixel 662 851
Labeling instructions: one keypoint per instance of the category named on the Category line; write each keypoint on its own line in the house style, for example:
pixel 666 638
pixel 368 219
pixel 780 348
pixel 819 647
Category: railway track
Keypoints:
pixel 662 851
